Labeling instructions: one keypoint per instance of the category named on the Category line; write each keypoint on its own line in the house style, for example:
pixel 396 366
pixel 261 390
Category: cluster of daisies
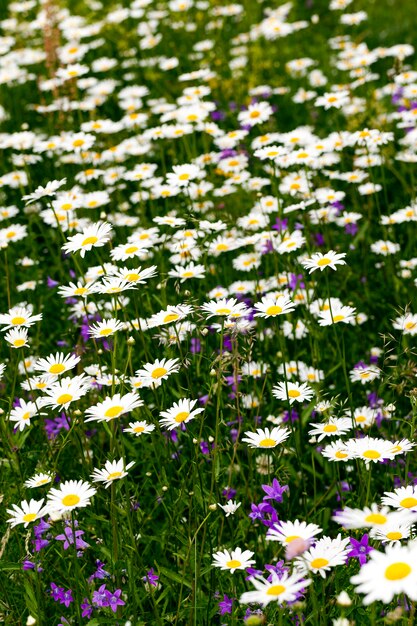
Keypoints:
pixel 190 281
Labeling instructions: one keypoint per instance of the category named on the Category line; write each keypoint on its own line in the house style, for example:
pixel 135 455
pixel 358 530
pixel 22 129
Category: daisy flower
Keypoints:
pixel 319 261
pixel 402 498
pixel 159 370
pixel 362 518
pixel 370 449
pixel 23 413
pixel 114 407
pixel 113 470
pixel 406 323
pixel 137 275
pixel 170 315
pixel 26 513
pixel 185 272
pixel 265 438
pixel 105 328
pixel 337 451
pixel 181 412
pixel 388 573
pixel 57 364
pixel 333 100
pixel 70 495
pixel 286 532
pixel 392 532
pixel 40 192
pixel 334 426
pixel 284 587
pixel 19 316
pixel 93 236
pixel 139 428
pixel 78 290
pixel 337 314
pixel 67 390
pixel 273 306
pixel 17 337
pixel 182 175
pixel 292 392
pixel 324 555
pixel 224 307
pixel 364 374
pixel 364 416
pixel 233 560
pixel 38 480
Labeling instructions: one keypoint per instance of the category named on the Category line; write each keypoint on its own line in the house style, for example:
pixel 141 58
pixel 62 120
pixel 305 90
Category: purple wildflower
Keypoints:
pixel 274 492
pixel 225 605
pixel 360 550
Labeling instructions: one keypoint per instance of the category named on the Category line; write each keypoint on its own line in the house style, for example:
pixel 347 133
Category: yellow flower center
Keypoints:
pixel 332 99
pixel 273 310
pixel 376 518
pixel 64 398
pixel 171 317
pixel 324 261
pixel 330 428
pixel 233 563
pixel 181 417
pixel 221 247
pixel 10 234
pixel 394 536
pixel 138 429
pixel 80 291
pixel 275 590
pixel 397 571
pixel 132 277
pixel 104 332
pixel 318 563
pixel 410 325
pixel 26 415
pixel 302 155
pixel 267 443
pixel 78 142
pixel 57 368
pixel 291 538
pixel 113 411
pixel 340 455
pixel 71 499
pixel 408 503
pixel 114 475
pixel 159 372
pixel 223 311
pixel 293 393
pixel 360 419
pixel 29 517
pixel 131 249
pixel 18 320
pixel 254 114
pixel 89 241
pixel 184 176
pixel 371 454
pixel 338 318
pixel 187 274
pixel 18 343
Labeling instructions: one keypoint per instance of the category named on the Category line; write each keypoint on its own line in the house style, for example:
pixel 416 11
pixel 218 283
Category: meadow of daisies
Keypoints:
pixel 208 313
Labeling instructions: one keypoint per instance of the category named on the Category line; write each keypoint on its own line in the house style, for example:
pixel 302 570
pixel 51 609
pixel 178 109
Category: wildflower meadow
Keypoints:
pixel 208 313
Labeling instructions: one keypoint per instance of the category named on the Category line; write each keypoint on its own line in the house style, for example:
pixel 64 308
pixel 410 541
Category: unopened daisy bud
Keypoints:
pixel 131 341
pixel 315 19
pixel 211 439
pixel 148 474
pixel 395 615
pixel 164 488
pixel 103 215
pixel 212 372
pixel 213 507
pixel 187 293
pixel 30 620
pixel 204 332
pixel 77 412
pixel 195 440
pixel 343 599
pixel 99 351
pixel 191 493
pixel 255 620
